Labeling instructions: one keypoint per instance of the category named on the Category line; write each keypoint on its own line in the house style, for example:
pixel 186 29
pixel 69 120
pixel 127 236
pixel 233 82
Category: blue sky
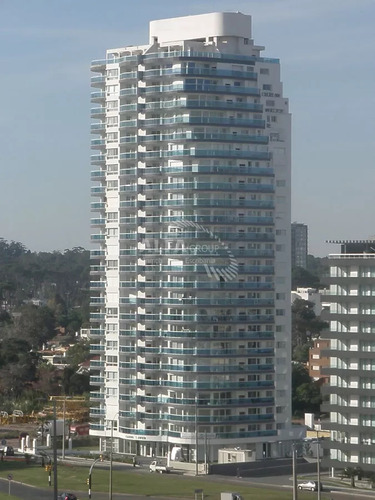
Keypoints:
pixel 46 46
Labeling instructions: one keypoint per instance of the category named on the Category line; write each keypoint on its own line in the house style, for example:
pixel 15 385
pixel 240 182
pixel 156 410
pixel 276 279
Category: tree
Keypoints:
pixel 305 391
pixel 305 323
pixel 78 353
pixel 35 324
pixel 352 473
pixel 303 278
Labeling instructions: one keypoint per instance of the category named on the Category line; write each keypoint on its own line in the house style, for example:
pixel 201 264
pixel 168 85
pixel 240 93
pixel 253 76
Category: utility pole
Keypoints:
pixel 294 452
pixel 54 453
pixel 196 436
pixel 63 432
pixel 110 463
pixel 318 462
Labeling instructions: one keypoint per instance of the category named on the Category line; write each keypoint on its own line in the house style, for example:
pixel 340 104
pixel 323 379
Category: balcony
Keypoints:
pixel 191 88
pixel 211 186
pixel 203 120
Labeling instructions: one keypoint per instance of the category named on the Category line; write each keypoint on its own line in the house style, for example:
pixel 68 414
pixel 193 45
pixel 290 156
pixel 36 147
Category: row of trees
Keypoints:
pixel 59 282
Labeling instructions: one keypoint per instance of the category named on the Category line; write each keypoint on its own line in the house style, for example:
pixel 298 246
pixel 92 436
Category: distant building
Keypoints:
pixel 310 294
pixel 299 245
pixel 352 357
pixel 319 359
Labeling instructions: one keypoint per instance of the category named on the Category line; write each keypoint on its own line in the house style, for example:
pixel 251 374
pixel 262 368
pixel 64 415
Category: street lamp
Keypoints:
pixel 89 479
pixel 318 462
pixel 54 452
pixel 196 436
pixel 294 452
pixel 111 458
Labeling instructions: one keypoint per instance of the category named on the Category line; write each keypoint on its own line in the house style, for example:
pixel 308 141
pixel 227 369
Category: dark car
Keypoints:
pixel 67 496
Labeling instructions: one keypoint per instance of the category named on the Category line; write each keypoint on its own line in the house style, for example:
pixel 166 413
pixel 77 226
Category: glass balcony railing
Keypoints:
pixel 200 71
pixel 128 123
pixel 98 111
pixel 200 88
pixel 98 174
pixel 201 369
pixel 129 75
pixel 214 385
pixel 189 235
pixel 128 107
pixel 203 120
pixel 118 60
pixel 210 169
pixel 191 318
pixel 208 186
pixel 208 419
pixel 201 219
pixel 201 136
pixel 194 351
pixel 203 301
pixel 97 126
pixel 128 91
pixel 208 203
pixel 210 153
pixel 211 56
pixel 99 94
pixel 269 401
pixel 199 335
pixel 199 104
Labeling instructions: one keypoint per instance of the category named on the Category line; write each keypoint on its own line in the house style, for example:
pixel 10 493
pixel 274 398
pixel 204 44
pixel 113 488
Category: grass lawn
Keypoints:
pixel 73 478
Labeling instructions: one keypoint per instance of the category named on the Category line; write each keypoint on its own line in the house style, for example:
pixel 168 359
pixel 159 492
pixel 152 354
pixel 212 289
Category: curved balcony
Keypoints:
pixel 97 175
pixel 202 104
pixel 98 96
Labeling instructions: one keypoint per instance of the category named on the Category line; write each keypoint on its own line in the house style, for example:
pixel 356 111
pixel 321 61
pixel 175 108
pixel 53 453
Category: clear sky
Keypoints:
pixel 326 49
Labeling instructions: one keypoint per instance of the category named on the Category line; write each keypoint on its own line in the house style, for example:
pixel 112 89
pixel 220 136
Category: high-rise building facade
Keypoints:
pixel 299 245
pixel 191 266
pixel 352 357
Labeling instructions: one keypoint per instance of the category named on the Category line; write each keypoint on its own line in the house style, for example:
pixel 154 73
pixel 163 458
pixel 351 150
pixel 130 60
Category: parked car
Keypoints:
pixel 67 496
pixel 310 485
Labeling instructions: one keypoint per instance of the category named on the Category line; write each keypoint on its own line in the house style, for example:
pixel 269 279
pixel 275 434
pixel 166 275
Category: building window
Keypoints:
pixel 267 86
pixel 264 71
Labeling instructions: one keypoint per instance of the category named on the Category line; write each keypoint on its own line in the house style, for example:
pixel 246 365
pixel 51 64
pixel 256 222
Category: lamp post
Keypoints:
pixel 111 458
pixel 89 479
pixel 318 462
pixel 54 453
pixel 110 463
pixel 295 490
pixel 196 436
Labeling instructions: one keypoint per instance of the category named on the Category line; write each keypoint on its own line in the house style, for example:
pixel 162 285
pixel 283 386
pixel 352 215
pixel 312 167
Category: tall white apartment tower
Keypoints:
pixel 191 266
